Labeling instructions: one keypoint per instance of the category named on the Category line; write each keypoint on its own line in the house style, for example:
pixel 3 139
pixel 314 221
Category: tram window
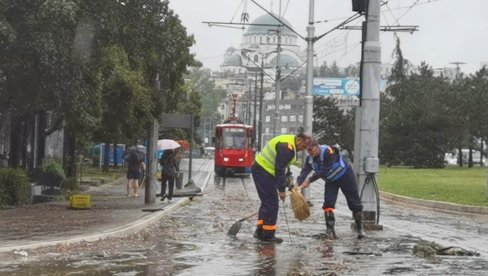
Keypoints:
pixel 234 138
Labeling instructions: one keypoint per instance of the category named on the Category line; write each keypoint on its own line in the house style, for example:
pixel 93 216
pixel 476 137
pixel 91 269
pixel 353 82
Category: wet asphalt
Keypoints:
pixel 192 240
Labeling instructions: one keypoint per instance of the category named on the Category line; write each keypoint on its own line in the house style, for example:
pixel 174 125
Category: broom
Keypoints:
pixel 299 205
pixel 234 229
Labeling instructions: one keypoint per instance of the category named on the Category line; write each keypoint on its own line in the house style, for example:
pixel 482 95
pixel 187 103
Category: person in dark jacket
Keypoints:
pixel 133 175
pixel 169 169
pixel 269 172
pixel 327 163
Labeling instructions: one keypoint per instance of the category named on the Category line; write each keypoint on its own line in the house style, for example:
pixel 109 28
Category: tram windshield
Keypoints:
pixel 234 138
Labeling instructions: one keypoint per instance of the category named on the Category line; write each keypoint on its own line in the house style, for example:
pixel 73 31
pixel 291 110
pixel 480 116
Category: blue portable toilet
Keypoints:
pixel 100 148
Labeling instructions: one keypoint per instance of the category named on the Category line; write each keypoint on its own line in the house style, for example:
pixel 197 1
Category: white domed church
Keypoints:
pixel 259 48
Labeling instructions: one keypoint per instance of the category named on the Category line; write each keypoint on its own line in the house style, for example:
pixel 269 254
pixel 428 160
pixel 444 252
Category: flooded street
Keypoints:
pixel 193 241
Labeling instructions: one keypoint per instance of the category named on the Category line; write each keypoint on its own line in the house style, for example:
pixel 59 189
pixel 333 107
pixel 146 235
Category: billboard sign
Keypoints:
pixel 335 87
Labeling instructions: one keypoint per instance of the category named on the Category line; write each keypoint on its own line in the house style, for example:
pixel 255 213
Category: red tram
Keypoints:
pixel 234 143
pixel 233 148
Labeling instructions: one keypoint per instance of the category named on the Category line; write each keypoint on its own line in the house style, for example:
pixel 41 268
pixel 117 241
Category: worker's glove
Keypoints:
pixel 289 182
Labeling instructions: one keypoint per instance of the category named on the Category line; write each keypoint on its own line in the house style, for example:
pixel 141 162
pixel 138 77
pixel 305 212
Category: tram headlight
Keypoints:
pixel 241 159
pixel 226 159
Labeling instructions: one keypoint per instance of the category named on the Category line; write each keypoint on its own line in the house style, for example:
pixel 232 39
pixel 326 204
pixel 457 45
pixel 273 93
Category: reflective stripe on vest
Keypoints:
pixel 267 157
pixel 331 171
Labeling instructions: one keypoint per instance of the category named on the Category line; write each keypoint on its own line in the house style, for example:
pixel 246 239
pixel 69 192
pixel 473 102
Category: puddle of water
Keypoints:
pixel 194 242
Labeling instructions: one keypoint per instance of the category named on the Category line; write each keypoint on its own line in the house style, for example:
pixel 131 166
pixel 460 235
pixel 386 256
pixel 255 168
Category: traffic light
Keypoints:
pixel 360 6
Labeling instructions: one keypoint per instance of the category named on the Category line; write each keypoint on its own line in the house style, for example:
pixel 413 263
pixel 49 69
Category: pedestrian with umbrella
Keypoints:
pixel 134 157
pixel 169 167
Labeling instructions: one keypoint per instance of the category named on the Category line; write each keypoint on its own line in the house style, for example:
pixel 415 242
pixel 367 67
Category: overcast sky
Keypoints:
pixel 448 30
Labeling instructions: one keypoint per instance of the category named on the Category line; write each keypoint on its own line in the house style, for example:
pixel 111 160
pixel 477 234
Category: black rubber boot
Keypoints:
pixel 269 236
pixel 271 239
pixel 329 223
pixel 358 219
pixel 258 233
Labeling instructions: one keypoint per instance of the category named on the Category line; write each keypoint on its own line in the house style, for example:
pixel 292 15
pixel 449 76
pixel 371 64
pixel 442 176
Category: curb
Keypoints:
pixel 436 205
pixel 120 231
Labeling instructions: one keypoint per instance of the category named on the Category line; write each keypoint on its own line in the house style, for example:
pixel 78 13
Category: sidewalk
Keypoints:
pixel 112 214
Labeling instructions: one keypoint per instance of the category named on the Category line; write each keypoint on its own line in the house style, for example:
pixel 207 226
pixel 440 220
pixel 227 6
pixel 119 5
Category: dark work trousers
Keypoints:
pixel 266 187
pixel 170 179
pixel 349 187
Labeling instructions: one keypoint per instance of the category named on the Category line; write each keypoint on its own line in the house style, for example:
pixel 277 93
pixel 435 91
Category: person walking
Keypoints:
pixel 327 163
pixel 133 175
pixel 269 172
pixel 169 169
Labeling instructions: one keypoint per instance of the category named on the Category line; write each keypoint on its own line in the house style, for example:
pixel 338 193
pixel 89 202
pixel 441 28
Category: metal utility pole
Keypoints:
pixel 255 106
pixel 249 98
pixel 261 96
pixel 278 80
pixel 366 162
pixel 308 118
pixel 149 193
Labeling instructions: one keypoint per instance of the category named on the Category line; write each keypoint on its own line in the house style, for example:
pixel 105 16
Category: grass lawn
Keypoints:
pixel 464 185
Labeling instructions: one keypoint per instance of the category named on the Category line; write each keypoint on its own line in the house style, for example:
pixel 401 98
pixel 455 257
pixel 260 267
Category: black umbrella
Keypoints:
pixel 138 152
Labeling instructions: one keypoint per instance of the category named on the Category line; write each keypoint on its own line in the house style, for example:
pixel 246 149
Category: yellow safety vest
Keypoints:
pixel 267 157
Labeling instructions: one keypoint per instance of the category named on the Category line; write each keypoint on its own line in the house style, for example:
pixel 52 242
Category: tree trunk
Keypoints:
pixel 460 157
pixel 41 143
pixel 69 152
pixel 15 142
pixel 470 157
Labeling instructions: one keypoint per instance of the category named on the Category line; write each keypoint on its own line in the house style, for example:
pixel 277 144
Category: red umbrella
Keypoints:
pixel 184 144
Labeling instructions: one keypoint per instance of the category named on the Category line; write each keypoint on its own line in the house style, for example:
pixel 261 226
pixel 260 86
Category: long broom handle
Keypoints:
pixel 250 216
pixel 255 213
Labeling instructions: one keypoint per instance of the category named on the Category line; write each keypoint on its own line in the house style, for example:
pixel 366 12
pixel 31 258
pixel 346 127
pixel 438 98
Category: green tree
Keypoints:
pixel 125 96
pixel 58 55
pixel 40 72
pixel 157 49
pixel 331 124
pixel 475 92
pixel 415 128
pixel 201 82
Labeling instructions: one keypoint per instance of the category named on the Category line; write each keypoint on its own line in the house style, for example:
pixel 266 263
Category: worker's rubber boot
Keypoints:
pixel 358 219
pixel 269 236
pixel 258 233
pixel 329 223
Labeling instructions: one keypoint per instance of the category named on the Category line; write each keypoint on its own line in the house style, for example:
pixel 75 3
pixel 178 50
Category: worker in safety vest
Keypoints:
pixel 328 164
pixel 269 172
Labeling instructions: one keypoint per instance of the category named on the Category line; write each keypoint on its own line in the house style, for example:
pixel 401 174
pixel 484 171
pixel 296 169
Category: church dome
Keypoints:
pixel 230 49
pixel 234 60
pixel 285 61
pixel 262 26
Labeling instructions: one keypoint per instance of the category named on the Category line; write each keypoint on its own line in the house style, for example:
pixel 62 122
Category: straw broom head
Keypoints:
pixel 299 205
